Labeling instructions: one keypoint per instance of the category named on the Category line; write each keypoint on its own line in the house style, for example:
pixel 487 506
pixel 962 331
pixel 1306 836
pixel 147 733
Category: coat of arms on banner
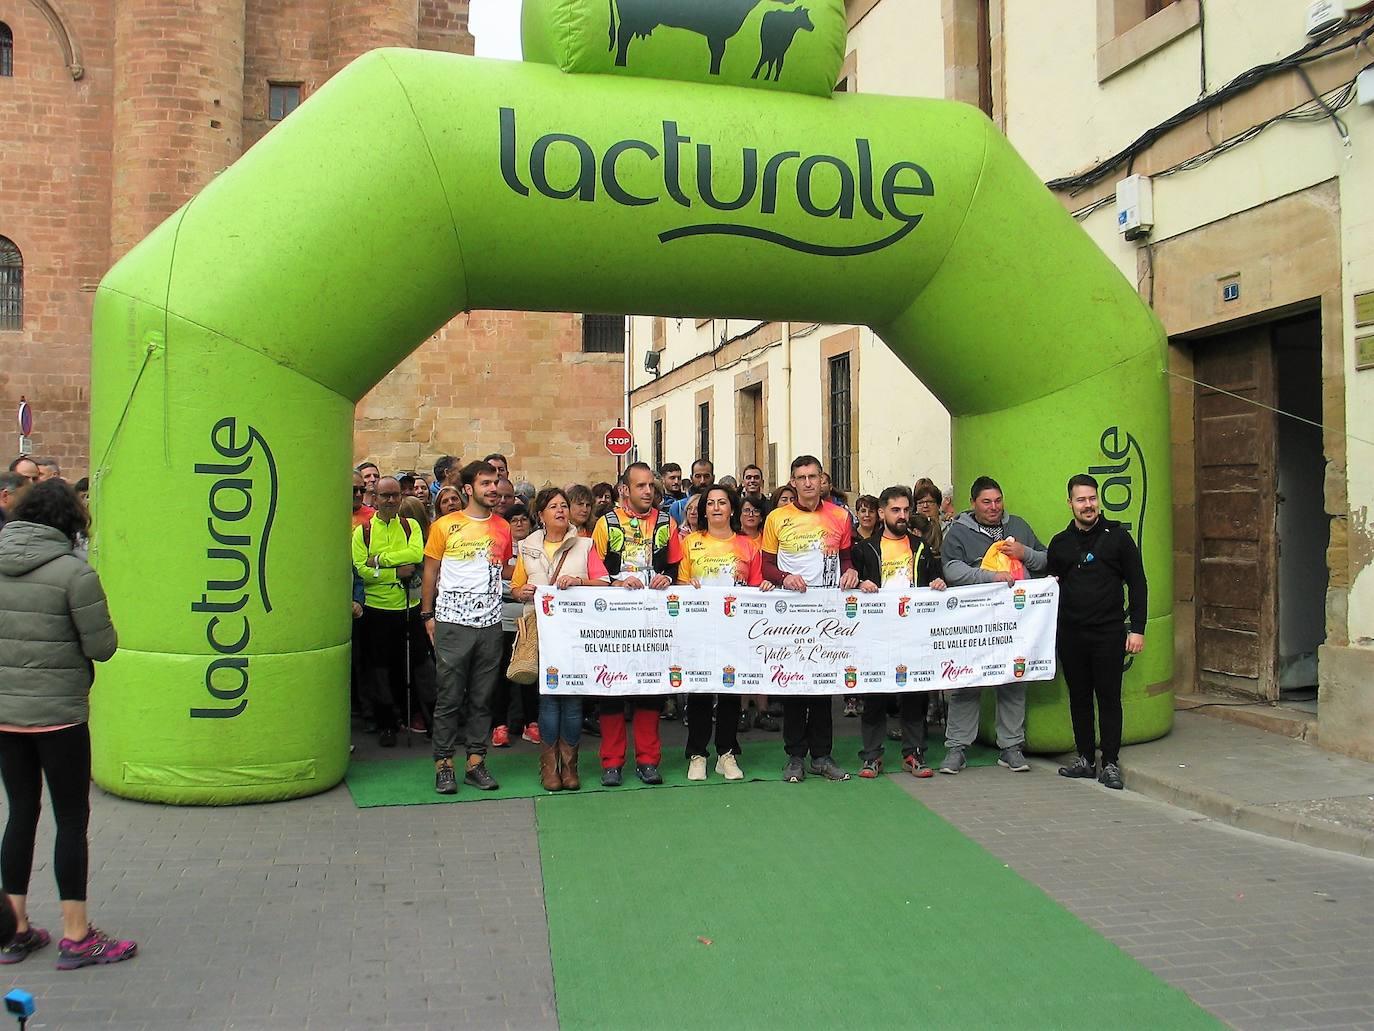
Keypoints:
pixel 729 602
pixel 903 606
pixel 1018 598
pixel 901 673
pixel 673 601
pixel 727 677
pixel 675 676
pixel 1018 667
pixel 851 607
pixel 551 677
pixel 851 677
pixel 547 602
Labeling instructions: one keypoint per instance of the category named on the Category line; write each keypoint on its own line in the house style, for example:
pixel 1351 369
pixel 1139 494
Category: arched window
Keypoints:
pixel 6 50
pixel 11 285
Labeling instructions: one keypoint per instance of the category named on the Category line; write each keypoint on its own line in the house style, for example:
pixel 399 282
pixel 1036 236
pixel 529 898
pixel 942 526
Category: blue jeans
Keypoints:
pixel 560 718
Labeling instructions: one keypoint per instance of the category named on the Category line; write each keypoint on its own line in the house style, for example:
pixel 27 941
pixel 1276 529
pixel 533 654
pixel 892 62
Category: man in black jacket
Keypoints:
pixel 896 560
pixel 1094 558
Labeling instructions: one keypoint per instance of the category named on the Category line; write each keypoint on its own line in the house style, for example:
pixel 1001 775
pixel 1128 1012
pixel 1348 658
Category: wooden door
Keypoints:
pixel 1237 589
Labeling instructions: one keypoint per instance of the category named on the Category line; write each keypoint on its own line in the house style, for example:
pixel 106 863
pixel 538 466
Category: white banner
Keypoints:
pixel 610 641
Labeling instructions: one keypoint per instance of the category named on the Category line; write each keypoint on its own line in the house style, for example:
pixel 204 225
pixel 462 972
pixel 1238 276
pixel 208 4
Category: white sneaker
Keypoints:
pixel 696 769
pixel 728 768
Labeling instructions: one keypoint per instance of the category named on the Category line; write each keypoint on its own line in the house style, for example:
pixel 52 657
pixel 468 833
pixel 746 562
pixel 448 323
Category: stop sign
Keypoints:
pixel 619 441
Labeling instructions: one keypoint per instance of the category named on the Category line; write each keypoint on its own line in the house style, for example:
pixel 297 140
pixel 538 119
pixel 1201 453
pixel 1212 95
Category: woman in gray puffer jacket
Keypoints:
pixel 54 623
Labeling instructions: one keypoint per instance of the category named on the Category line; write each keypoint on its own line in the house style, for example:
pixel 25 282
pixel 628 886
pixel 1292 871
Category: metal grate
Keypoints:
pixel 658 443
pixel 603 334
pixel 840 444
pixel 11 286
pixel 6 51
pixel 704 430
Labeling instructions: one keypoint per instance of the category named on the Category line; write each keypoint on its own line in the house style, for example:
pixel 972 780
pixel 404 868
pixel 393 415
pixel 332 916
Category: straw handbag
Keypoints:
pixel 524 657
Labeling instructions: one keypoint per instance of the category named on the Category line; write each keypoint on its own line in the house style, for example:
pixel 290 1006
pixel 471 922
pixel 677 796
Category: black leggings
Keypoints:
pixel 64 758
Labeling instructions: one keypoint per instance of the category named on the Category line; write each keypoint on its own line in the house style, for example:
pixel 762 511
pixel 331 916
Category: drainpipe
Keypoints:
pixel 785 438
pixel 629 356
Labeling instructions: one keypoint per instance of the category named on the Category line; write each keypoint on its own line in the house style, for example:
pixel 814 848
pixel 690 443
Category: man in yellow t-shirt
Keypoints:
pixel 807 544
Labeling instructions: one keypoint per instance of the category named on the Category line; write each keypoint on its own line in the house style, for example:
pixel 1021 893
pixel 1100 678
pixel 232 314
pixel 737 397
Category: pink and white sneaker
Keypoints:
pixel 96 948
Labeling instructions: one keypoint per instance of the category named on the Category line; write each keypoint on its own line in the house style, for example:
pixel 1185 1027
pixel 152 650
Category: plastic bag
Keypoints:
pixel 996 560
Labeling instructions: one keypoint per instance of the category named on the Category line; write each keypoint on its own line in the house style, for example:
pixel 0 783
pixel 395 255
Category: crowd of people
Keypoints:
pixel 444 569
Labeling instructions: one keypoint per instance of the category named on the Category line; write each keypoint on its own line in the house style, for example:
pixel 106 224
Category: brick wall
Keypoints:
pixel 512 382
pixel 172 92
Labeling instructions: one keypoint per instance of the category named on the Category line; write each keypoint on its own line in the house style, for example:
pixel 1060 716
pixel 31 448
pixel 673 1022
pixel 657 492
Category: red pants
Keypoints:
pixel 648 748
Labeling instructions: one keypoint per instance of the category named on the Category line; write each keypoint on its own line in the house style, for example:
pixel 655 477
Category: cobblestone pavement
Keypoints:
pixel 314 914
pixel 1266 934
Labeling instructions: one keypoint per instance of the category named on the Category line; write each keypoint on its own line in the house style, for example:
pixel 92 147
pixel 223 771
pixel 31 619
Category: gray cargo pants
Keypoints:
pixel 961 725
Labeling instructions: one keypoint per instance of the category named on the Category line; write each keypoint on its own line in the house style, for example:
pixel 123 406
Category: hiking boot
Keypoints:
pixel 500 737
pixel 445 781
pixel 96 948
pixel 728 767
pixel 417 725
pixel 775 709
pixel 1014 759
pixel 1082 768
pixel 478 776
pixel 531 734
pixel 851 708
pixel 387 738
pixel 696 767
pixel 767 722
pixel 27 941
pixel 648 773
pixel 1111 777
pixel 916 766
pixel 954 761
pixel 826 767
pixel 591 725
pixel 745 722
pixel 894 735
pixel 610 777
pixel 795 771
pixel 871 769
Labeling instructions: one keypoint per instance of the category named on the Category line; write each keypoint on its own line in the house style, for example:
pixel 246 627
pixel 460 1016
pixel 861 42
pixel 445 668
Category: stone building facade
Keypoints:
pixel 112 115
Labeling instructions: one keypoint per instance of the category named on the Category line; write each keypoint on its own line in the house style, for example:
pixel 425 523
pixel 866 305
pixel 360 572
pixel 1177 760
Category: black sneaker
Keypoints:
pixel 767 722
pixel 1111 777
pixel 591 725
pixel 775 709
pixel 745 722
pixel 610 777
pixel 648 773
pixel 445 781
pixel 1081 768
pixel 387 738
pixel 795 770
pixel 25 942
pixel 826 767
pixel 479 778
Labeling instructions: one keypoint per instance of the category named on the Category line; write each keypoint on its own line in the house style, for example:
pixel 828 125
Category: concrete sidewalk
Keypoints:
pixel 1258 781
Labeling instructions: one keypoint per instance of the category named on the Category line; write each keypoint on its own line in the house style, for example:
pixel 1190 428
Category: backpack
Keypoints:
pixel 615 539
pixel 413 581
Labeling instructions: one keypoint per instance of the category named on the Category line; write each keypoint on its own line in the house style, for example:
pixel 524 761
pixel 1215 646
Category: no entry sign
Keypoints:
pixel 619 441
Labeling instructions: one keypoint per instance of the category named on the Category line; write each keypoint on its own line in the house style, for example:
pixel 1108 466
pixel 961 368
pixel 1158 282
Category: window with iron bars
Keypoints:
pixel 840 443
pixel 603 334
pixel 704 430
pixel 11 285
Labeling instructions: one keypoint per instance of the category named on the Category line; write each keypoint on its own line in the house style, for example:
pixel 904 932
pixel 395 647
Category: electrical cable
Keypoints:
pixel 1306 54
pixel 1270 408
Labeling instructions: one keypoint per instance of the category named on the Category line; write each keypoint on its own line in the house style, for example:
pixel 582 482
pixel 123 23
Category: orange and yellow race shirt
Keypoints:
pixel 898 570
pixel 808 543
pixel 720 562
pixel 471 553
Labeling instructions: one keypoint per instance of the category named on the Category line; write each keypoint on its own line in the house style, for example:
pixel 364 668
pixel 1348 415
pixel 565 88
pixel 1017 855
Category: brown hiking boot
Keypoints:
pixel 548 768
pixel 567 756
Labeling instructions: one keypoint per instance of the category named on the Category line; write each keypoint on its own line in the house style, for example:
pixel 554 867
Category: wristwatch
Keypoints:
pixel 425 617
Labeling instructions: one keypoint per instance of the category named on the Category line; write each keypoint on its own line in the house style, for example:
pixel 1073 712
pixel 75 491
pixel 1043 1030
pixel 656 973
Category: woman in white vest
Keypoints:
pixel 556 555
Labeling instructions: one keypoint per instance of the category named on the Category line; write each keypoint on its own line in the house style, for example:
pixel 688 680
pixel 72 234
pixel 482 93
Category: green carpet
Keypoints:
pixel 410 781
pixel 826 906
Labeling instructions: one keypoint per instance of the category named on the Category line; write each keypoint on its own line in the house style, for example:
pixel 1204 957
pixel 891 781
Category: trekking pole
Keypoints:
pixel 410 733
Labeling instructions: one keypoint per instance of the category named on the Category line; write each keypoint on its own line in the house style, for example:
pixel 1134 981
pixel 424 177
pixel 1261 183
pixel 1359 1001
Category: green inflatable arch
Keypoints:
pixel 231 345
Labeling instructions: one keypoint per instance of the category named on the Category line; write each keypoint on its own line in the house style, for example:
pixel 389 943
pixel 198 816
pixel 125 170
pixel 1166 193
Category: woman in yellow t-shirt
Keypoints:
pixel 717 554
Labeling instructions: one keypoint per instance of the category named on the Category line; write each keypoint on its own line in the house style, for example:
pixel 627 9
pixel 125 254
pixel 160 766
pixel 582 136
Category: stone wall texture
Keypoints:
pixel 159 97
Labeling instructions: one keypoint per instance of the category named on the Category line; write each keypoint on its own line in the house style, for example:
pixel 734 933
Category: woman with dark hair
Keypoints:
pixel 752 512
pixel 54 622
pixel 556 556
pixel 603 494
pixel 784 495
pixel 927 500
pixel 717 555
pixel 866 512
